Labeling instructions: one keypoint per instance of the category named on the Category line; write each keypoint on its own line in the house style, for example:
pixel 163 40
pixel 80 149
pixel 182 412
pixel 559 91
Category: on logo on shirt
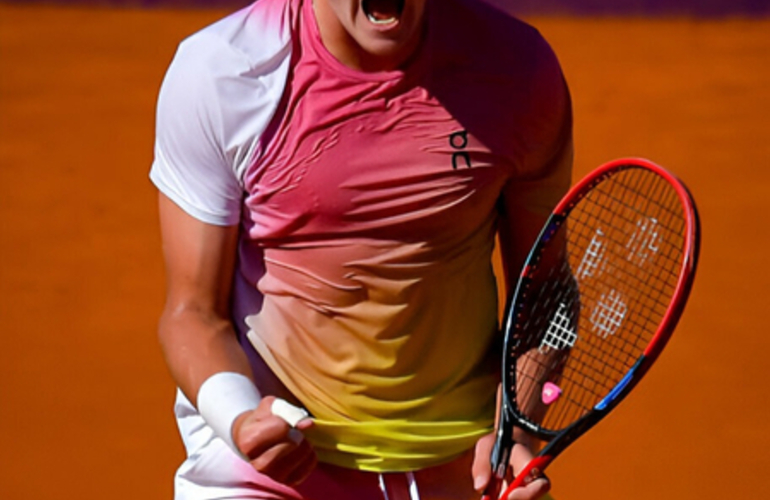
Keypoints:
pixel 459 141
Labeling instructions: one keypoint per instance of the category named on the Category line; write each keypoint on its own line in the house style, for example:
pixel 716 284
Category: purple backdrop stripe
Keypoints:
pixel 708 8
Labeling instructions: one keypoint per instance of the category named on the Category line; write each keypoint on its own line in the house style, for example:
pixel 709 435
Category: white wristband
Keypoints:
pixel 222 398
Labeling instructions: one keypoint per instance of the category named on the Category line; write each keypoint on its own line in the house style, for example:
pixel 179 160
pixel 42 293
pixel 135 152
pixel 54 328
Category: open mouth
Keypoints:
pixel 383 11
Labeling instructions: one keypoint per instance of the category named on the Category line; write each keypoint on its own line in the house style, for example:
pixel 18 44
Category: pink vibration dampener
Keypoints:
pixel 551 392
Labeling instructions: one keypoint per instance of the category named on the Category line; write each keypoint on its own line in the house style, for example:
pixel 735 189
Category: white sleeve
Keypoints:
pixel 217 98
pixel 190 165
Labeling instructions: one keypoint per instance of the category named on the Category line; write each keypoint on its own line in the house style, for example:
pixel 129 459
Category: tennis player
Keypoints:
pixel 332 176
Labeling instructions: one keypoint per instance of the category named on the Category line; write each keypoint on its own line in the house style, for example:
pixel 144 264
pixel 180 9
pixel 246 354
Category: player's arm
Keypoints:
pixel 201 348
pixel 195 331
pixel 525 207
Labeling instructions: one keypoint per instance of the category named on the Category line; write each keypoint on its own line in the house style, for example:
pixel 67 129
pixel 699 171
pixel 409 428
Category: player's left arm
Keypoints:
pixel 525 204
pixel 519 227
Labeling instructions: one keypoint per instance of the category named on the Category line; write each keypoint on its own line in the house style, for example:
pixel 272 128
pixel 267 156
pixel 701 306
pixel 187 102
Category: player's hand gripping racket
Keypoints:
pixel 597 300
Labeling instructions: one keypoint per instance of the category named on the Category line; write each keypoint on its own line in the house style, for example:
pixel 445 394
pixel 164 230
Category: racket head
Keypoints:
pixel 598 298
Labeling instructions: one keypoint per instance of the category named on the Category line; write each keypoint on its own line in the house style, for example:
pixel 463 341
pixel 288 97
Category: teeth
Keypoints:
pixel 381 21
pixel 383 12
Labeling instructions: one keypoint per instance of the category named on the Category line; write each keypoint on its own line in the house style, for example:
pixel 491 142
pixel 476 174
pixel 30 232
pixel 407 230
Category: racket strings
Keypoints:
pixel 590 318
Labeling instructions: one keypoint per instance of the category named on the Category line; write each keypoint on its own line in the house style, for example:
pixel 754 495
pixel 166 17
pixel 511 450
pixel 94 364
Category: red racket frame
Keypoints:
pixel 561 440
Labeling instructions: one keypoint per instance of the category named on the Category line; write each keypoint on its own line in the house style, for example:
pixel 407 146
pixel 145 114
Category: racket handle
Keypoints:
pixel 533 470
pixel 493 488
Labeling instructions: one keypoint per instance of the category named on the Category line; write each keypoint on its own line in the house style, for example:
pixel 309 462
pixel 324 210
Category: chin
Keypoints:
pixel 386 54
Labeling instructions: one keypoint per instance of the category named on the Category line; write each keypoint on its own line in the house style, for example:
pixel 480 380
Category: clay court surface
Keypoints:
pixel 85 401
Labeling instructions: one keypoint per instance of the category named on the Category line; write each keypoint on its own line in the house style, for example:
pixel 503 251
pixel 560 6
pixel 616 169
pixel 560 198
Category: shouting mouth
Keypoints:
pixel 383 11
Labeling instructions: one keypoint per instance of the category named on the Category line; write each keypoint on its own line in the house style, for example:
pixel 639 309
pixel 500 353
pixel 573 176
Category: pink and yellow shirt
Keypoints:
pixel 369 204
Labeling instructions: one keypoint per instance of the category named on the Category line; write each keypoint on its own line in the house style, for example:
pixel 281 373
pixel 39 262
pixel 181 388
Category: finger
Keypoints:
pixel 531 491
pixel 256 436
pixel 287 464
pixel 265 408
pixel 303 468
pixel 305 424
pixel 534 484
pixel 277 459
pixel 520 457
pixel 481 470
pixel 521 463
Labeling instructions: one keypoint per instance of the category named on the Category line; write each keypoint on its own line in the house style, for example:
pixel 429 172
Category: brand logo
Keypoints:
pixel 459 141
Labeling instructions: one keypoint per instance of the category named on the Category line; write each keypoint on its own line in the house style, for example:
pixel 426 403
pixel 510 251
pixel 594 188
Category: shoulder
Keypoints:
pixel 502 80
pixel 229 76
pixel 217 98
pixel 246 43
pixel 484 38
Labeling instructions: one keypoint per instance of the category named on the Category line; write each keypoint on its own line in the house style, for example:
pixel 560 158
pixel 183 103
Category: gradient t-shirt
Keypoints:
pixel 369 207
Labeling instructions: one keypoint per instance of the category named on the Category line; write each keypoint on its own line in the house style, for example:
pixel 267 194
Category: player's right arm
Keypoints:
pixel 219 94
pixel 199 342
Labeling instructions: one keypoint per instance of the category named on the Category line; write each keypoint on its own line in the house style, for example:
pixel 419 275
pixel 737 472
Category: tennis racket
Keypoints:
pixel 598 298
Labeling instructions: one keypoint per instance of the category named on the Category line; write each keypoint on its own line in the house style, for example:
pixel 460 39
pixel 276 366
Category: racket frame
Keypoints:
pixel 557 441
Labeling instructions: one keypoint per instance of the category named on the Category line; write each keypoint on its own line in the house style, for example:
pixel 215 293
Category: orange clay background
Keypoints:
pixel 85 400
